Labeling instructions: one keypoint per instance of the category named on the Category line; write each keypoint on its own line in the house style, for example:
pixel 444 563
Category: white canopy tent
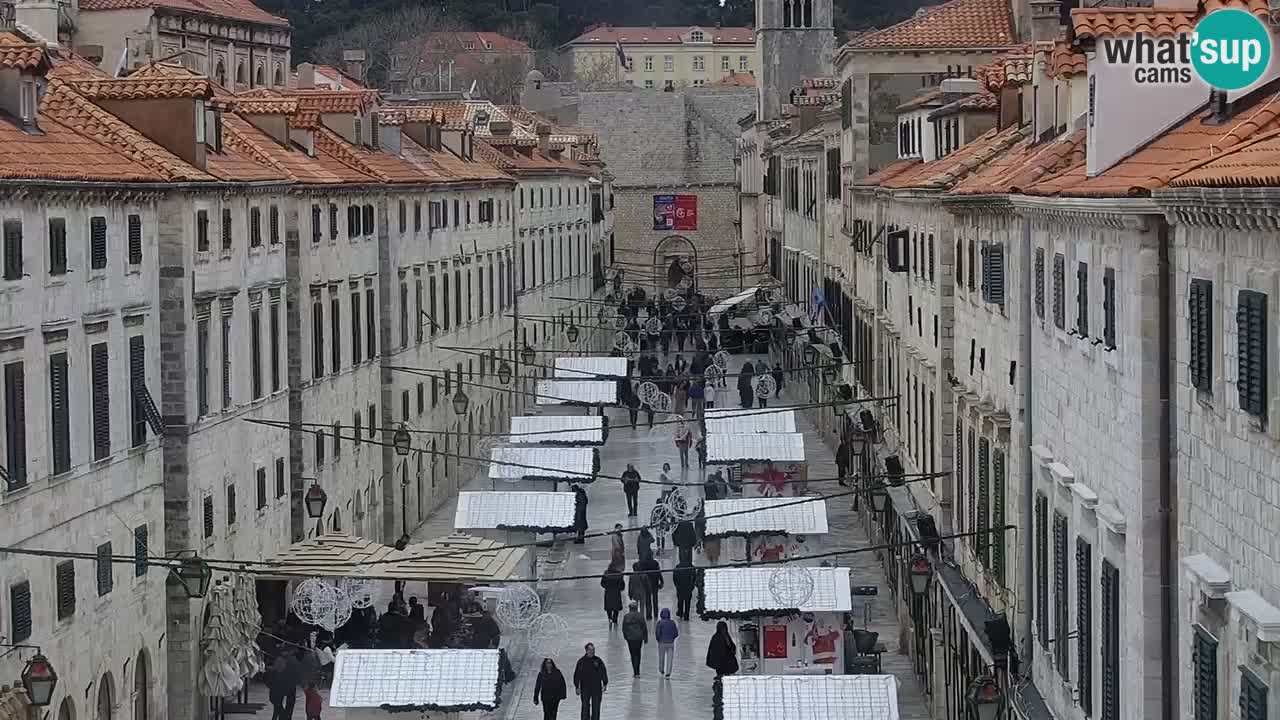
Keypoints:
pixel 730 302
pixel 725 449
pixel 434 681
pixel 515 510
pixel 737 421
pixel 743 590
pixel 808 697
pixel 766 516
pixel 590 368
pixel 577 392
pixel 557 429
pixel 545 463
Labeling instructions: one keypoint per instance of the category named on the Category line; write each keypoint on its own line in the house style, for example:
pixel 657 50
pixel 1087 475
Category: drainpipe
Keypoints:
pixel 1028 462
pixel 1168 498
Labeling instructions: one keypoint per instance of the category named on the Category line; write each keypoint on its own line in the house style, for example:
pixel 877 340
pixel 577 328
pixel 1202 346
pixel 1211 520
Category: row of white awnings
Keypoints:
pixel 738 590
pixel 515 510
pixel 443 680
pixel 730 302
pixel 738 421
pixel 453 558
pixel 542 463
pixel 557 429
pixel 725 449
pixel 808 697
pixel 576 392
pixel 766 516
pixel 598 367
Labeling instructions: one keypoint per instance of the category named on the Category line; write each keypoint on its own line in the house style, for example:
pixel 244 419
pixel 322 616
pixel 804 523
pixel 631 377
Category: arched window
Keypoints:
pixel 808 13
pixel 141 687
pixel 259 77
pixel 66 709
pixel 786 13
pixel 798 20
pixel 277 77
pixel 337 520
pixel 220 74
pixel 241 76
pixel 106 698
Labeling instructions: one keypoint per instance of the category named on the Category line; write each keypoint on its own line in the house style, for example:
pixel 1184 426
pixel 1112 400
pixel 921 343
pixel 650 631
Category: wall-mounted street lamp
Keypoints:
pixel 461 402
pixel 39 680
pixel 921 570
pixel 986 698
pixel 877 496
pixel 315 500
pixel 194 574
pixel 571 333
pixel 401 441
pixel 504 372
pixel 528 355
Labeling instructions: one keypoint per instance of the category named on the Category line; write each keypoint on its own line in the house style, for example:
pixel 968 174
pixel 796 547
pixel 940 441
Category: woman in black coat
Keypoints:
pixel 613 583
pixel 549 689
pixel 746 379
pixel 580 514
pixel 722 652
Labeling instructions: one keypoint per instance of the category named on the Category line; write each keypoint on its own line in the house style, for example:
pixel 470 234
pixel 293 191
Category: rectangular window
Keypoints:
pixel 319 440
pixel 648 64
pixel 226 356
pixel 207 516
pixel 668 63
pixel 65 588
pixel 404 405
pixel 255 227
pixel 744 62
pixel 404 314
pixel 275 346
pixel 1251 326
pixel 316 231
pixel 367 224
pixel 60 413
pixel 457 297
pixel 97 243
pixel 20 611
pixel 335 331
pixel 418 319
pixel 140 547
pixel 371 322
pixel 959 479
pixel 57 246
pixel 1059 291
pixel 337 441
pixel 724 62
pixel 983 517
pixel 353 222
pixel 1109 586
pixel 274 225
pixel 417 216
pixel 1042 568
pixel 1082 300
pixel 1109 308
pixel 1200 333
pixel 137 390
pixel 260 484
pixel 106 578
pixel 997 515
pixel 1084 624
pixel 317 337
pixel 1039 283
pixel 445 318
pixel 15 398
pixel 357 341
pixel 255 352
pixel 431 304
pixel 435 391
pixel 202 231
pixel 1061 644
pixel 333 221
pixel 373 425
pixel 404 217
pixel 101 392
pixel 280 478
pixel 1253 697
pixel 993 274
pixel 135 239
pixel 202 364
pixel 422 398
pixel 226 229
pixel 358 423
pixel 231 505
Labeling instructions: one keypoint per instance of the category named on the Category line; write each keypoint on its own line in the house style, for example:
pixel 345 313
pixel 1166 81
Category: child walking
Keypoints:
pixel 314 702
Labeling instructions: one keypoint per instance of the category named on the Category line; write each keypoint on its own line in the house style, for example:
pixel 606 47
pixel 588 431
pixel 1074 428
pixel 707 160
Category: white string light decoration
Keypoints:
pixel 653 326
pixel 548 634
pixel 646 391
pixel 721 359
pixel 620 323
pixel 678 303
pixel 765 387
pixel 764 316
pixel 518 606
pixel 621 340
pixel 682 504
pixel 661 521
pixel 791 586
pixel 631 350
pixel 360 591
pixel 317 602
pixel 712 372
pixel 661 402
pixel 669 294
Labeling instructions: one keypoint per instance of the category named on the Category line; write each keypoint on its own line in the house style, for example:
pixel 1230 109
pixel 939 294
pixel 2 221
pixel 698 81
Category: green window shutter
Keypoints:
pixel 1200 333
pixel 1204 665
pixel 1251 321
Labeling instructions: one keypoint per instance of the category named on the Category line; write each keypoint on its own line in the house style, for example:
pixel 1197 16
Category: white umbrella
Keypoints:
pixel 219 668
pixel 249 624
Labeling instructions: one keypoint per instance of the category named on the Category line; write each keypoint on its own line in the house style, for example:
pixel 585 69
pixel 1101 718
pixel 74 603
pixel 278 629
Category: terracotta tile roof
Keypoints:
pixel 529 159
pixel 956 24
pixel 892 170
pixel 234 9
pixel 334 101
pixel 480 42
pixel 240 163
pixel 1112 22
pixel 931 97
pixel 68 65
pixel 60 153
pixel 292 160
pixel 1066 60
pixel 974 102
pixel 381 165
pixel 946 172
pixel 339 76
pixel 606 35
pixel 450 167
pixel 64 104
pixel 1026 163
pixel 264 106
pixel 1186 146
pixel 163 70
pixel 145 87
pixel 16 52
pixel 1253 164
pixel 737 79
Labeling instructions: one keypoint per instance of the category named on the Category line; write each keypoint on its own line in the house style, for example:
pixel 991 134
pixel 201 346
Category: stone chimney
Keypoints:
pixel 306 76
pixel 1046 21
pixel 955 88
pixel 39 17
pixel 354 63
pixel 544 138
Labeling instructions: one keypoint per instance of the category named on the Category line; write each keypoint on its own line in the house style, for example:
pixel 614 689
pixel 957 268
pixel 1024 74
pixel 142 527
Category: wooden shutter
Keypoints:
pixel 57 246
pixel 15 420
pixel 226 355
pixel 1204 667
pixel 982 521
pixel 357 342
pixel 1060 608
pixel 997 515
pixel 65 589
pixel 20 611
pixel 1059 291
pixel 105 576
pixel 260 483
pixel 60 414
pixel 202 231
pixel 255 227
pixel 137 388
pixel 1039 282
pixel 315 223
pixel 959 479
pixel 973 484
pixel 846 104
pixel 367 216
pixel 1110 587
pixel 255 352
pixel 226 228
pixel 1082 299
pixel 1109 308
pixel 231 504
pixel 1200 333
pixel 1042 568
pixel 1253 697
pixel 1084 624
pixel 417 216
pixel 12 249
pixel 135 239
pixel 403 216
pixel 353 221
pixel 993 274
pixel 1251 322
pixel 973 264
pixel 207 516
pixel 932 250
pixel 333 221
pixel 335 326
pixel 101 400
pixel 280 481
pixel 274 328
pixel 371 322
pixel 97 243
pixel 274 225
pixel 317 337
pixel 140 545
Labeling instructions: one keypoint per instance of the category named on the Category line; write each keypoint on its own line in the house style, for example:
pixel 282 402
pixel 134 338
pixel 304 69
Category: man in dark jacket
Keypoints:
pixel 285 675
pixel 685 578
pixel 590 680
pixel 843 458
pixel 636 632
pixel 684 538
pixel 631 489
pixel 653 575
pixel 580 515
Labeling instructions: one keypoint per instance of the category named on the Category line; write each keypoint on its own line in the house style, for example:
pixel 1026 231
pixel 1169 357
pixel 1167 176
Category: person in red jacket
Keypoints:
pixel 314 702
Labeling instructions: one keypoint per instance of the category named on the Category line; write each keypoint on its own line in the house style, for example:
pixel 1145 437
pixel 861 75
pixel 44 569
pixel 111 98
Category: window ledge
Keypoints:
pixel 1088 498
pixel 1110 517
pixel 1212 579
pixel 1264 616
pixel 1062 475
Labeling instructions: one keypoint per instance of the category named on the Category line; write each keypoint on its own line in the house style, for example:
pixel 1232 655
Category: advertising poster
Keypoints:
pixel 775 641
pixel 675 212
pixel 686 212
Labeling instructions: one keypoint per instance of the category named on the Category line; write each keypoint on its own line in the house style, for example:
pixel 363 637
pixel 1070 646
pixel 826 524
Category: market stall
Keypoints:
pixel 737 421
pixel 563 430
pixel 805 697
pixel 535 462
pixel 802 633
pixel 765 528
pixel 576 393
pixel 600 367
pixel 515 517
pixel 761 464
pixel 378 684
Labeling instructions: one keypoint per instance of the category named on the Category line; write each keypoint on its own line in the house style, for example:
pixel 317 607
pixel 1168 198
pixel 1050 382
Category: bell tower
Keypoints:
pixel 796 40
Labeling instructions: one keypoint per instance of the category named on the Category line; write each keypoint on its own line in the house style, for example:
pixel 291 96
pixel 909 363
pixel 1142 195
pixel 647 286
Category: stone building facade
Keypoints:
pixel 660 58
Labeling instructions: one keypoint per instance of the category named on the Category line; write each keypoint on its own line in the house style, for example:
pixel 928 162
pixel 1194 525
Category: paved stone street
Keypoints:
pixel 687 695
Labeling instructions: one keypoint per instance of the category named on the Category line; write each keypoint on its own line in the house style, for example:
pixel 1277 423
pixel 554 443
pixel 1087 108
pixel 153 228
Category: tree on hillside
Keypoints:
pixel 394 43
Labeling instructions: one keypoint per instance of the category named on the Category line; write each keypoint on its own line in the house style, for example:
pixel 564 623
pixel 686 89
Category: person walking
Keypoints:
pixel 631 489
pixel 683 439
pixel 685 578
pixel 684 537
pixel 709 396
pixel 613 582
pixel 314 703
pixel 777 379
pixel 636 632
pixel 285 674
pixel 722 652
pixel 580 514
pixel 680 397
pixel 590 680
pixel 633 406
pixel 698 398
pixel 746 380
pixel 701 446
pixel 617 545
pixel 653 583
pixel 843 460
pixel 665 633
pixel 550 689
